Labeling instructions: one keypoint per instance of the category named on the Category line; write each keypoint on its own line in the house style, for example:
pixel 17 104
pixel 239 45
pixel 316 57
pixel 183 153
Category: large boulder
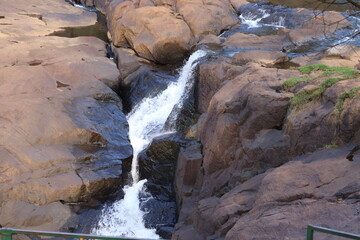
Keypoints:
pixel 212 75
pixel 209 16
pixel 240 110
pixel 155 33
pixel 146 81
pixel 157 164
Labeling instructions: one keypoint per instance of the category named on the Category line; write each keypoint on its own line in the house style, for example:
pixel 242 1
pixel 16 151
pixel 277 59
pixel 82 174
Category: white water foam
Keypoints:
pixel 89 9
pixel 253 20
pixel 146 121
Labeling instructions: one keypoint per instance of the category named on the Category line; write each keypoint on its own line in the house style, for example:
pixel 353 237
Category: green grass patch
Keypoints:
pixel 302 98
pixel 328 83
pixel 314 67
pixel 335 75
pixel 308 96
pixel 331 145
pixel 291 82
pixel 345 72
pixel 349 94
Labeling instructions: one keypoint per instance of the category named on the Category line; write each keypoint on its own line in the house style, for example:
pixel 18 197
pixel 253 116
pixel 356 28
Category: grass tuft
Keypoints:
pixel 291 82
pixel 335 75
pixel 314 67
pixel 346 72
pixel 349 94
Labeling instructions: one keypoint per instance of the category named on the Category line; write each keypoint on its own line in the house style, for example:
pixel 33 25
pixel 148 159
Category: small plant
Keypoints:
pixel 314 67
pixel 345 72
pixel 302 98
pixel 308 96
pixel 349 94
pixel 328 83
pixel 337 73
pixel 331 145
pixel 291 82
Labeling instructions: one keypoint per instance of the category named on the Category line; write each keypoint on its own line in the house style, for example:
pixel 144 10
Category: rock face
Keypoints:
pixel 338 56
pixel 281 202
pixel 157 164
pixel 251 135
pixel 155 33
pixel 251 41
pixel 209 16
pixel 253 166
pixel 64 137
pixel 166 31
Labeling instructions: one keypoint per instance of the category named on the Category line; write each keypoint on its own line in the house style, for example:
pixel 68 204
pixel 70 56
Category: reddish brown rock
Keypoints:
pixel 303 192
pixel 265 58
pixel 212 76
pixel 321 122
pixel 209 16
pixel 252 41
pixel 115 11
pixel 166 38
pixel 44 19
pixel 338 56
pixel 59 144
pixel 242 108
pixel 237 4
pixel 127 61
pixel 187 170
pixel 280 203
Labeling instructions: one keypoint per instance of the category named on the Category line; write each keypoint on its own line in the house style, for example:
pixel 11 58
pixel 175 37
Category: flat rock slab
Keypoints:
pixel 38 18
pixel 64 137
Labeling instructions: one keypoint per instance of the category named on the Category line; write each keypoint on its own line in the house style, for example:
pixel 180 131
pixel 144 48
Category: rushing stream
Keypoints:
pixel 148 118
pixel 146 121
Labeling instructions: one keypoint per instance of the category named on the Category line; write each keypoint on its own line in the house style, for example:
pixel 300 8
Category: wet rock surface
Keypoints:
pixel 157 164
pixel 64 138
pixel 252 167
pixel 251 133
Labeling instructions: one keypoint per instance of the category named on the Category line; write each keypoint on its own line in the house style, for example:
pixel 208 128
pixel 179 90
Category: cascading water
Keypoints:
pixel 254 19
pixel 146 121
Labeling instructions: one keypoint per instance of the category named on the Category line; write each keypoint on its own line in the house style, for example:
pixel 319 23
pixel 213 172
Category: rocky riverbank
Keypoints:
pixel 272 143
pixel 64 138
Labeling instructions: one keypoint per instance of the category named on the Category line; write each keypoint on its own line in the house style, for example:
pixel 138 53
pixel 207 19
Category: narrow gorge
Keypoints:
pixel 180 119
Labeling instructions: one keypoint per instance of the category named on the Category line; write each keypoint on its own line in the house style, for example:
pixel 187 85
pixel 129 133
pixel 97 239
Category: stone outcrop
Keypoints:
pixel 209 16
pixel 265 58
pixel 166 31
pixel 337 56
pixel 252 167
pixel 281 202
pixel 157 164
pixel 64 138
pixel 251 41
pixel 251 136
pixel 155 33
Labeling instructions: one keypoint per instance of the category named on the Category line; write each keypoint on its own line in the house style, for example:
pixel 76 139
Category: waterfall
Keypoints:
pixel 146 121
